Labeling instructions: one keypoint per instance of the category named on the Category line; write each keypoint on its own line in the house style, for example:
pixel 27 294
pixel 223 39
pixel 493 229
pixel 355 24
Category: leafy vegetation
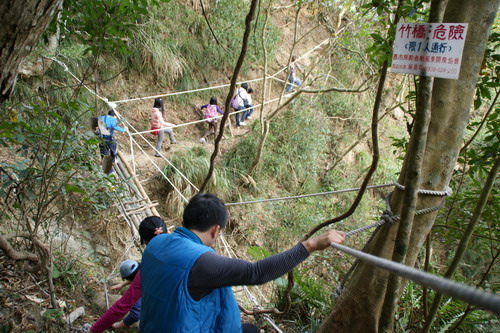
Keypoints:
pixel 50 176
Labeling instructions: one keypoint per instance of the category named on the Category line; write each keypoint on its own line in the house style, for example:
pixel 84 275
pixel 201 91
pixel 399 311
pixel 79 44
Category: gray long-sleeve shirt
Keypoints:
pixel 212 270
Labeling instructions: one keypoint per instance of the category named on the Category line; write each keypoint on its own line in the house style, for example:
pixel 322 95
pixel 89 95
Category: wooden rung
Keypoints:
pixel 141 209
pixel 134 201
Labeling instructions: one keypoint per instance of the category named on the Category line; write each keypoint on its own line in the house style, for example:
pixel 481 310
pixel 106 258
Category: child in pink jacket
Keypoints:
pixel 163 127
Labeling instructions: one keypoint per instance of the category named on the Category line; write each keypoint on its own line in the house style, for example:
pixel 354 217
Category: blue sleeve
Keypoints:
pixel 203 106
pixel 134 315
pixel 219 110
pixel 112 123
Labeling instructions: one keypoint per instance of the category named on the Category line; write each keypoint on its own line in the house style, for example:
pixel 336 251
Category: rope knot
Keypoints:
pixel 387 216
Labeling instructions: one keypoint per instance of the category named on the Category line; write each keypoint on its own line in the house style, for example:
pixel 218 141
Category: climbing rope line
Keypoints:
pixel 304 55
pixel 388 217
pixel 162 173
pixel 113 106
pixel 215 87
pixel 66 69
pixel 446 192
pixel 307 195
pixel 181 92
pixel 129 247
pixel 470 295
pixel 166 159
pixel 204 120
pixel 355 189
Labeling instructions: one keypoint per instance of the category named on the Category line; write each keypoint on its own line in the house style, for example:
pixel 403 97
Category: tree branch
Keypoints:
pixel 14 254
pixel 239 63
pixel 210 27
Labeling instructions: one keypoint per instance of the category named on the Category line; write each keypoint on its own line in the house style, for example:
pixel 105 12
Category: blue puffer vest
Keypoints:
pixel 166 303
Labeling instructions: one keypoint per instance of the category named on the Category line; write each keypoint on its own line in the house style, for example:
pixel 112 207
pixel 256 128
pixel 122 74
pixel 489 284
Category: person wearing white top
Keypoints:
pixel 249 104
pixel 242 98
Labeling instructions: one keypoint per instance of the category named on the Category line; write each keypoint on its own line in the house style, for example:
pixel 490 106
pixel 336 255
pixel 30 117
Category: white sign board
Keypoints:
pixel 429 49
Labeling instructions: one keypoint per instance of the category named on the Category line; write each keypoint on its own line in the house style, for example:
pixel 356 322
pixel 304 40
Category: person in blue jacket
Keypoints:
pixel 106 127
pixel 186 286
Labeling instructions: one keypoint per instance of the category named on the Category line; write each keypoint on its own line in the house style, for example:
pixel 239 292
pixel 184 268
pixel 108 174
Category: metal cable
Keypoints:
pixel 308 195
pixel 446 192
pixel 391 218
pixel 470 295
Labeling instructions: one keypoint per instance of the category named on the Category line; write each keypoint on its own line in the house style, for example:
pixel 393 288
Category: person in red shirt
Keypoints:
pixel 161 125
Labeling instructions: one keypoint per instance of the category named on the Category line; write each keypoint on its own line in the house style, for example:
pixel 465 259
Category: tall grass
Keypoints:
pixel 176 46
pixel 158 54
pixel 194 164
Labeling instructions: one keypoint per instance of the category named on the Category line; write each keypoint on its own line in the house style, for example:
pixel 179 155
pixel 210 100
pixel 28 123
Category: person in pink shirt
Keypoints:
pixel 162 127
pixel 130 300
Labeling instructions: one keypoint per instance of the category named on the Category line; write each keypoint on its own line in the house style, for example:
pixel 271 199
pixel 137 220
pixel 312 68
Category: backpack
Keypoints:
pixel 234 102
pixel 103 129
pixel 210 112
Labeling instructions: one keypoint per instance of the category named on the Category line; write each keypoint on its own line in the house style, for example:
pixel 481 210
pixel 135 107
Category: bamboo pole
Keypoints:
pixel 137 183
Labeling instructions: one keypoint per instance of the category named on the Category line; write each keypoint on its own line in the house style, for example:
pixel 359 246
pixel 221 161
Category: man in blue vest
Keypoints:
pixel 186 286
pixel 106 127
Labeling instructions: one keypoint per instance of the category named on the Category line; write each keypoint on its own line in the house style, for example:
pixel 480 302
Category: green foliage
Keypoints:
pixel 340 105
pixel 53 315
pixel 54 168
pixel 400 145
pixel 68 273
pixel 257 252
pixel 184 53
pixel 310 299
pixel 294 147
pixel 490 71
pixel 414 10
pixel 104 26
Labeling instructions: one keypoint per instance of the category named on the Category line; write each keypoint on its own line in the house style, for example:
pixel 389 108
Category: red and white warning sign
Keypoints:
pixel 429 49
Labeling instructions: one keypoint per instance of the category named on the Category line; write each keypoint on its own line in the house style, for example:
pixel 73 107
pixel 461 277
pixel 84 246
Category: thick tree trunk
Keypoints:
pixel 359 307
pixel 23 23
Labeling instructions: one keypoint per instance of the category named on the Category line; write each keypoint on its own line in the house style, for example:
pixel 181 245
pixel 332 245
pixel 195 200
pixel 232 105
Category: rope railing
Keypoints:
pixel 326 41
pixel 306 195
pixel 181 92
pixel 446 192
pixel 470 295
pixel 204 120
pixel 161 171
pixel 388 217
pixel 158 152
pixel 218 86
pixel 129 247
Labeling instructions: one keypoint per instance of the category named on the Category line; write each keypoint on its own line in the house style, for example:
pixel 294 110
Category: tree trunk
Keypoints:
pixel 464 242
pixel 359 307
pixel 23 23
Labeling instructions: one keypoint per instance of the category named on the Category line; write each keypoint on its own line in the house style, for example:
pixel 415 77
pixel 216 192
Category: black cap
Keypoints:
pixel 150 227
